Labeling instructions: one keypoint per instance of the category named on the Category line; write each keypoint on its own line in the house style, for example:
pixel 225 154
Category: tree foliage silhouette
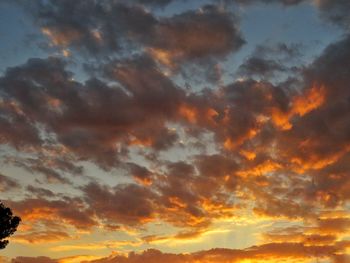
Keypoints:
pixel 8 224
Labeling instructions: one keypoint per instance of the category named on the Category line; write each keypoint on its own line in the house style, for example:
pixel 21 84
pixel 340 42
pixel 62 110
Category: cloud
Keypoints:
pixel 94 27
pixel 277 149
pixel 283 2
pixel 97 121
pixel 304 171
pixel 60 212
pixel 271 61
pixel 336 12
pixel 33 260
pixel 41 237
pixel 194 35
pixel 260 67
pixel 7 184
pixel 107 27
pixel 293 252
pixel 129 204
pixel 74 113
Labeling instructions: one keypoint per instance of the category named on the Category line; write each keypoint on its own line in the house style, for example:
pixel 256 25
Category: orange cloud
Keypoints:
pixel 61 38
pixel 41 237
pixel 300 105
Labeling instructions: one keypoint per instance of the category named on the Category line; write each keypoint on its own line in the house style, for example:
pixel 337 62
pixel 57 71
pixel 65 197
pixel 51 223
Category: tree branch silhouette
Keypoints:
pixel 8 224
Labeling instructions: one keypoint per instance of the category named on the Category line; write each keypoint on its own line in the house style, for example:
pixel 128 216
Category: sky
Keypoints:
pixel 176 131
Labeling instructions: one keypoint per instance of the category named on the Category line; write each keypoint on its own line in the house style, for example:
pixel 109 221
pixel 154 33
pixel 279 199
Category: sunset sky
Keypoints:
pixel 176 131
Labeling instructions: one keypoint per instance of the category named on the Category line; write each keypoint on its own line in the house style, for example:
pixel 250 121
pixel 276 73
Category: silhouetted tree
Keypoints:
pixel 8 224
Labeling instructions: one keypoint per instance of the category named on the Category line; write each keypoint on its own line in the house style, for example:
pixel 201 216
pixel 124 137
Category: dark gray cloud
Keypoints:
pixel 125 204
pixel 94 26
pixel 89 119
pixel 270 61
pixel 7 184
pixel 198 34
pixel 140 173
pixel 39 192
pixel 255 66
pixel 283 2
pixel 117 27
pixel 336 12
pixel 326 130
